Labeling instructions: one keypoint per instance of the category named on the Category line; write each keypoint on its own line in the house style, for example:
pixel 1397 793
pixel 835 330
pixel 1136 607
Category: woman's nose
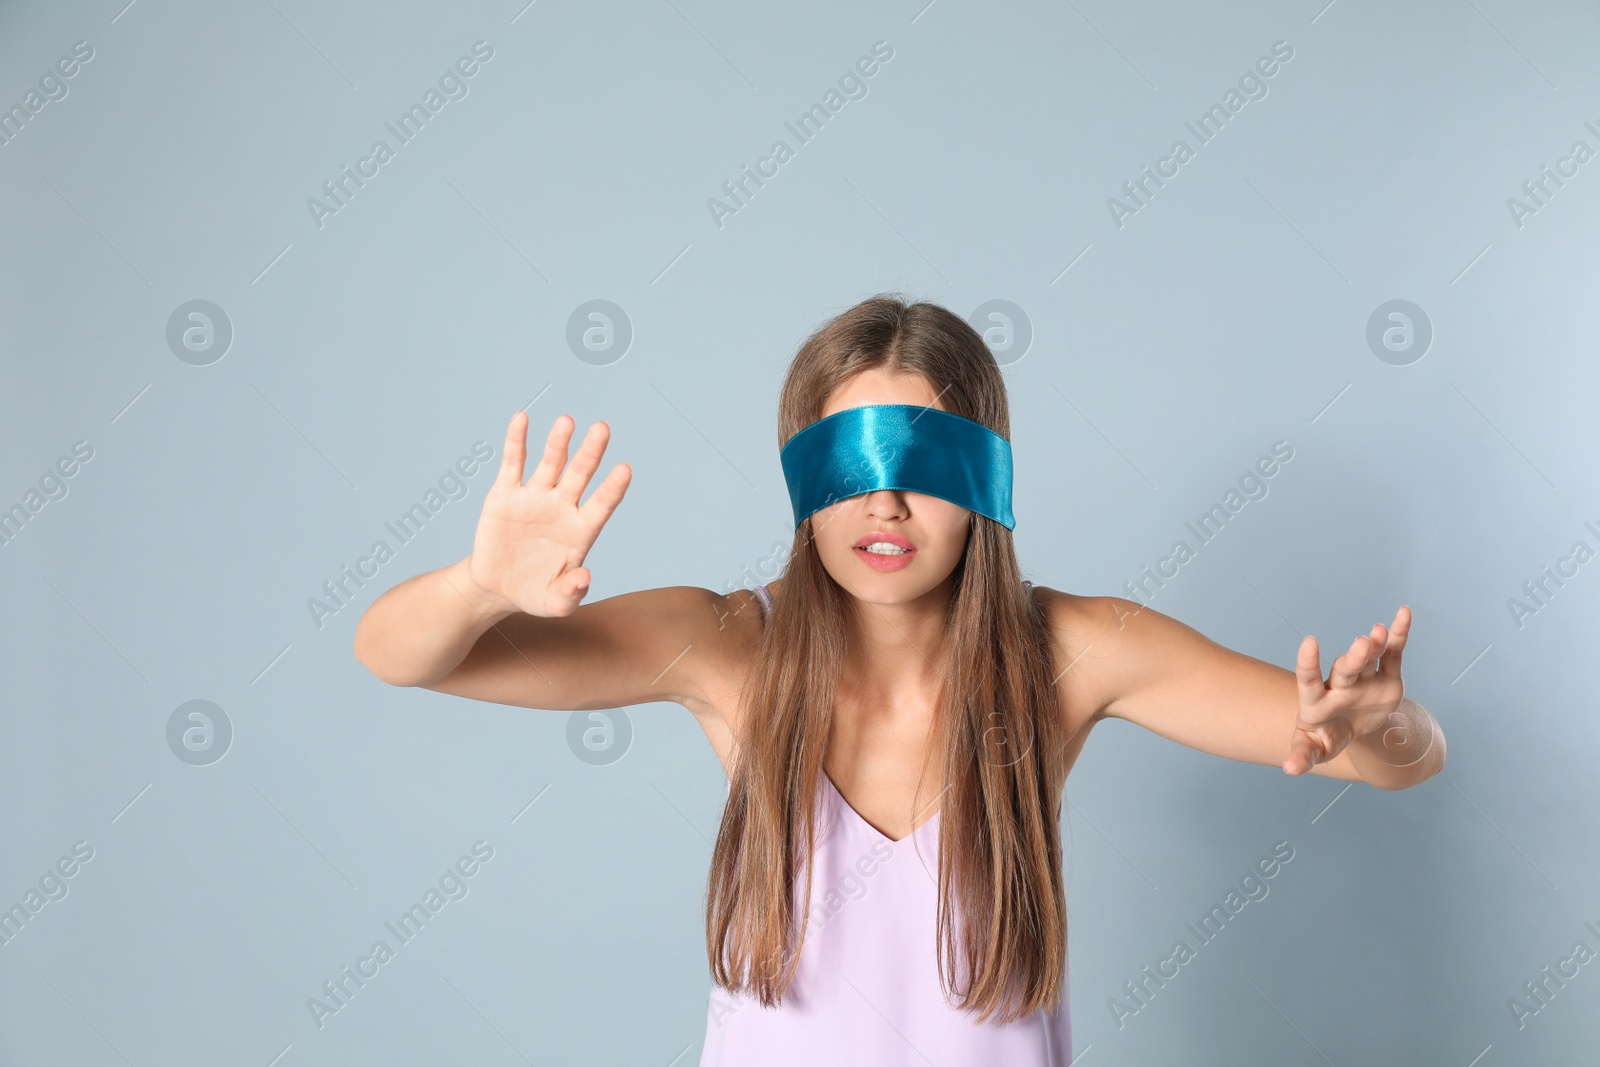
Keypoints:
pixel 885 503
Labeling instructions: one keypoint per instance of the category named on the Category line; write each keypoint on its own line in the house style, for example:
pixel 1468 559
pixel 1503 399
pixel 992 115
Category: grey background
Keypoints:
pixel 1168 355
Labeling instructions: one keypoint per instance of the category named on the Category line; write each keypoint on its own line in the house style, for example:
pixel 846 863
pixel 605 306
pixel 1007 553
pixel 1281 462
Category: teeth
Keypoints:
pixel 882 548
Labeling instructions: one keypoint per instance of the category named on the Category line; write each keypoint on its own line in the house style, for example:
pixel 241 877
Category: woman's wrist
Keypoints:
pixel 484 602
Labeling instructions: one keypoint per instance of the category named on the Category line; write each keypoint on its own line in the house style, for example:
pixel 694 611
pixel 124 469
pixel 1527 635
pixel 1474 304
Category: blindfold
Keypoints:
pixel 899 446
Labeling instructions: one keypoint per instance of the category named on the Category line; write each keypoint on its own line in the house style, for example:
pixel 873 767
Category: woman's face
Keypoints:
pixel 935 530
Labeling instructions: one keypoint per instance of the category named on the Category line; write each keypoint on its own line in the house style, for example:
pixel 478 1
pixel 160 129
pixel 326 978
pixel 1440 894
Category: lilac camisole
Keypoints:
pixel 867 986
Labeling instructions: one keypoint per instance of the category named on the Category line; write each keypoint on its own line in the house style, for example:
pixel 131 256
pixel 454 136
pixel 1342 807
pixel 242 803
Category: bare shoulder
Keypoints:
pixel 1123 651
pixel 730 643
pixel 730 650
pixel 1090 632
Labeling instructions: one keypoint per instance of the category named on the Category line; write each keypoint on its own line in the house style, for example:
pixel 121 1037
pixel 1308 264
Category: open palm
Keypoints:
pixel 532 537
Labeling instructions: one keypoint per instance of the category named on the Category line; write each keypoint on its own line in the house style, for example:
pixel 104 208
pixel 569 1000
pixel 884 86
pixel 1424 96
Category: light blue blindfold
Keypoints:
pixel 899 446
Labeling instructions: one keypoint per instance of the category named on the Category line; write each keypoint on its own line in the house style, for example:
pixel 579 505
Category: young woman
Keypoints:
pixel 897 714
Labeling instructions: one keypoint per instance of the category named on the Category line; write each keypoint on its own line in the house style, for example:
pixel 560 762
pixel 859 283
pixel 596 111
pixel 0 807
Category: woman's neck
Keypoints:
pixel 894 651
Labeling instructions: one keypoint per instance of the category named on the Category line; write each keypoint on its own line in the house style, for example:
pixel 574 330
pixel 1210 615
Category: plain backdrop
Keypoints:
pixel 1376 264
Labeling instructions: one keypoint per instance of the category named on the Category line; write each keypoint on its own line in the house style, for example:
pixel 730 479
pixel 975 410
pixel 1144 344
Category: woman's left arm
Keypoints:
pixel 1356 725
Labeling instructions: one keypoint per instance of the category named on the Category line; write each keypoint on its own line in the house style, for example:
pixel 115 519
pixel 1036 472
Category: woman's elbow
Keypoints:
pixel 361 647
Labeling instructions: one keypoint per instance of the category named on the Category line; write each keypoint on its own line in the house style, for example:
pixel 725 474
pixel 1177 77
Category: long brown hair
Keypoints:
pixel 998 718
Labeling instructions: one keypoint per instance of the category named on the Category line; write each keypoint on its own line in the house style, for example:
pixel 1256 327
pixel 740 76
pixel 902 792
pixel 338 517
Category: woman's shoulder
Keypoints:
pixel 1061 605
pixel 1088 631
pixel 1109 642
pixel 719 648
pixel 1073 611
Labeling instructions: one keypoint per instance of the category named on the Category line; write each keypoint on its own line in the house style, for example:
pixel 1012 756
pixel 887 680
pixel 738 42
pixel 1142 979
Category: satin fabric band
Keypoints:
pixel 899 446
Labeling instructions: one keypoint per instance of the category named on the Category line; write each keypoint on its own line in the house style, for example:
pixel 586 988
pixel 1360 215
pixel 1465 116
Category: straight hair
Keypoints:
pixel 1002 916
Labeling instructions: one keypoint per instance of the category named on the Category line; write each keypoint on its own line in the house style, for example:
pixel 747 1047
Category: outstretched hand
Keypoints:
pixel 532 537
pixel 1362 691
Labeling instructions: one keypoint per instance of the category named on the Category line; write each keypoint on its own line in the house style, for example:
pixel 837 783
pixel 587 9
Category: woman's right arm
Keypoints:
pixel 438 631
pixel 506 625
pixel 421 630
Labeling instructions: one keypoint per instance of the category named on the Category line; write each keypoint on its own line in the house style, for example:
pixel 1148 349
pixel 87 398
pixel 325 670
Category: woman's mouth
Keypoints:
pixel 885 551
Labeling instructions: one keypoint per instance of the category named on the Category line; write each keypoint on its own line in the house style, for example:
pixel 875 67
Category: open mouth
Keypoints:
pixel 884 551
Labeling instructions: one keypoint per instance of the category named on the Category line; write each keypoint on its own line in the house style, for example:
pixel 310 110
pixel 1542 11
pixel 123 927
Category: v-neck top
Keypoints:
pixel 866 989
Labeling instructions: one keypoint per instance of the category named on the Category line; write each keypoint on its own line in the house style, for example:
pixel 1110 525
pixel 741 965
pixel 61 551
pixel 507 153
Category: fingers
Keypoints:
pixel 515 450
pixel 1348 668
pixel 1379 651
pixel 577 581
pixel 583 464
pixel 567 590
pixel 1377 644
pixel 1303 755
pixel 606 496
pixel 1401 629
pixel 1308 672
pixel 554 470
pixel 1398 635
pixel 555 453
